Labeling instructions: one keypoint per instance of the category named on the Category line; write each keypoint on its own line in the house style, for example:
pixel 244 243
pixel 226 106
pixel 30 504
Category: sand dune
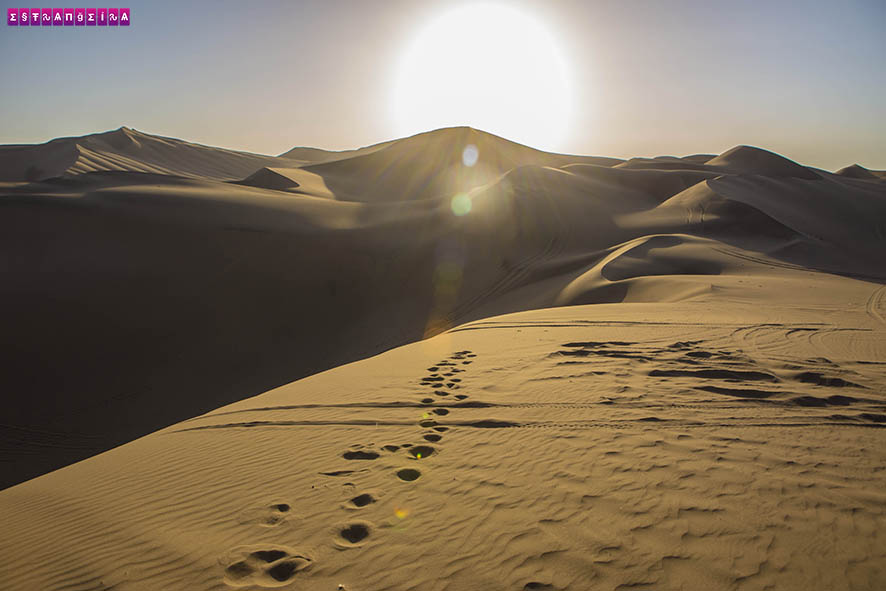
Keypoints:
pixel 279 179
pixel 315 155
pixel 639 445
pixel 860 172
pixel 574 372
pixel 126 149
pixel 431 165
pixel 751 160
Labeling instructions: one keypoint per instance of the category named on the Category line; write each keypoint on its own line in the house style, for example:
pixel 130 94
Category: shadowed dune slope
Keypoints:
pixel 279 179
pixel 144 296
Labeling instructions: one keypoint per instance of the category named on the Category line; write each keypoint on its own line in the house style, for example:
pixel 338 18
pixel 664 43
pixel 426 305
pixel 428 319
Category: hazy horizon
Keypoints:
pixel 800 78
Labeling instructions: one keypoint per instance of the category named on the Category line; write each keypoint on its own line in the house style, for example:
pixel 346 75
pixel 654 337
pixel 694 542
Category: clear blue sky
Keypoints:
pixel 648 77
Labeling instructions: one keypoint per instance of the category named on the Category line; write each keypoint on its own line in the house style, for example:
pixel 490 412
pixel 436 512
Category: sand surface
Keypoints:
pixel 660 373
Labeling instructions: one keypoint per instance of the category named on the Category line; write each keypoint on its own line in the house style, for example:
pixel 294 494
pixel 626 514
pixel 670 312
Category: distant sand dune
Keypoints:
pixel 751 160
pixel 859 172
pixel 126 149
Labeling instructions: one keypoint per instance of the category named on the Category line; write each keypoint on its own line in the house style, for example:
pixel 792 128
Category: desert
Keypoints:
pixel 448 361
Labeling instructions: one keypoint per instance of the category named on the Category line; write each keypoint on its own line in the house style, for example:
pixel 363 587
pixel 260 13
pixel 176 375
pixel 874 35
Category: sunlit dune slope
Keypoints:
pixel 711 443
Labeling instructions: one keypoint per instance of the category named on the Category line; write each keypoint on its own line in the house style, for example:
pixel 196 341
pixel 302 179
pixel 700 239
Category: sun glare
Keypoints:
pixel 487 66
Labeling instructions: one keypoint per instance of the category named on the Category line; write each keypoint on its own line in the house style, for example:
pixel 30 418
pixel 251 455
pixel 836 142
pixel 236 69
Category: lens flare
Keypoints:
pixel 470 155
pixel 461 204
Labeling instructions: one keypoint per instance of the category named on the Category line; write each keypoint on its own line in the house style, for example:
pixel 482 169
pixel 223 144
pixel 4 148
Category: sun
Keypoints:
pixel 487 66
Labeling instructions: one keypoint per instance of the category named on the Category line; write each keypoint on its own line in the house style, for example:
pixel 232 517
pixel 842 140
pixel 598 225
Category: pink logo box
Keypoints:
pixel 68 17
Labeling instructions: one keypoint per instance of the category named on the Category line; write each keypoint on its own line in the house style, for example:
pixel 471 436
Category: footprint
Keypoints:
pixel 461 396
pixel 267 516
pixel 421 451
pixel 283 571
pixel 264 566
pixel 427 400
pixel 353 534
pixel 391 447
pixel 467 362
pixel 426 424
pixel 441 429
pixel 441 392
pixel 408 474
pixel 440 411
pixel 340 472
pixel 239 570
pixel 361 501
pixel 360 455
pixel 268 555
pixel 433 437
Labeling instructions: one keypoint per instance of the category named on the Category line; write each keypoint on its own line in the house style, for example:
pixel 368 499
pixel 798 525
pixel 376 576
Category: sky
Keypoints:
pixel 617 78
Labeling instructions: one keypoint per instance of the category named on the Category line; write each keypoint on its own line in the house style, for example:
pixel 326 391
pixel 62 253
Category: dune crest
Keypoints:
pixel 857 171
pixel 753 160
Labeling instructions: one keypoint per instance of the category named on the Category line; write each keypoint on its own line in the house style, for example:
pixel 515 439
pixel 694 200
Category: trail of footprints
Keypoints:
pixel 441 381
pixel 275 566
